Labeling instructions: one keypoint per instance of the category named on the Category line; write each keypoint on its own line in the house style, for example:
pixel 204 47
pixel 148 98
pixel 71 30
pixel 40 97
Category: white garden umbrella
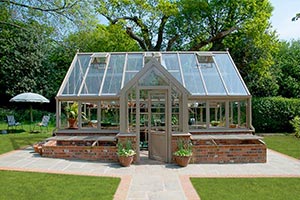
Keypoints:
pixel 30 98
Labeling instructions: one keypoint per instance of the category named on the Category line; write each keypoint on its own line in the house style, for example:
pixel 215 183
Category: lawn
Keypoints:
pixel 247 188
pixel 286 144
pixel 29 185
pixel 255 188
pixel 19 137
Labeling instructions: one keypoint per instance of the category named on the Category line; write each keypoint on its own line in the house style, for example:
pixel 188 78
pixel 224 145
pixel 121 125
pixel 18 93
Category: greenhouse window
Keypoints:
pixel 204 60
pixel 99 60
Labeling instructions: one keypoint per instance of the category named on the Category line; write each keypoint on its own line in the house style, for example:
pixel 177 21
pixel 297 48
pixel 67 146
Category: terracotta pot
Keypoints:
pixel 40 149
pixel 182 161
pixel 72 123
pixel 36 148
pixel 125 161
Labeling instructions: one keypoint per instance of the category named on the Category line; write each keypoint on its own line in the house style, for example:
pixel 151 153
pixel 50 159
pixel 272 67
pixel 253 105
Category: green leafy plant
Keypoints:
pixel 72 110
pixel 127 150
pixel 296 124
pixel 184 148
pixel 215 123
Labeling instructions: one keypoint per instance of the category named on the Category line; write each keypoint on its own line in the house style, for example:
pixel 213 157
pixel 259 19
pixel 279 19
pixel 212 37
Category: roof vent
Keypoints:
pixel 99 60
pixel 149 55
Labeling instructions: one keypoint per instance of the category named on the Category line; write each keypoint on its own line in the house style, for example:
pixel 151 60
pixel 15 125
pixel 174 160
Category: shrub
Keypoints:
pixel 273 114
pixel 296 124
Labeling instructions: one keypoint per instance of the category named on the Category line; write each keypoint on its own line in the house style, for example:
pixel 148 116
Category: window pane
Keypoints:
pixel 232 81
pixel 74 81
pixel 197 115
pixel 212 79
pixel 93 80
pixel 171 63
pixel 191 74
pixel 113 79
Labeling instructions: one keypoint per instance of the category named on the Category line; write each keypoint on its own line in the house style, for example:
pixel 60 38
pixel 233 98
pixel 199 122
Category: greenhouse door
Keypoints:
pixel 158 127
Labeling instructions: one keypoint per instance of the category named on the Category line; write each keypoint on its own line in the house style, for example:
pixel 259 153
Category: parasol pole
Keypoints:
pixel 31 118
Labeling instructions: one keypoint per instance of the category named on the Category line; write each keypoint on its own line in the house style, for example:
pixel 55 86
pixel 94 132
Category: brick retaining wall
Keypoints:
pixel 100 153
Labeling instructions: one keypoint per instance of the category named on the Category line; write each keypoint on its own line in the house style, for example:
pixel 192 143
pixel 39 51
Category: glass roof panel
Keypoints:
pixel 133 66
pixel 171 63
pixel 74 81
pixel 212 78
pixel 93 80
pixel 192 78
pixel 230 76
pixel 113 78
pixel 201 73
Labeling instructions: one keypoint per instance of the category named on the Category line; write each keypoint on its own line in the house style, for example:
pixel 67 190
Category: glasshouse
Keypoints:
pixel 155 100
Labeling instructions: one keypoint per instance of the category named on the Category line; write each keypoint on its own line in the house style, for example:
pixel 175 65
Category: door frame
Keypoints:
pixel 168 111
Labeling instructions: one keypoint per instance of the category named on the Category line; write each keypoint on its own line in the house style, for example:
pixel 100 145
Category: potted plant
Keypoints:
pixel 184 153
pixel 72 113
pixel 125 154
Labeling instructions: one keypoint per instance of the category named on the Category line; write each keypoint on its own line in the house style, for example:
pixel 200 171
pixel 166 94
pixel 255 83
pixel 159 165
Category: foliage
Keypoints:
pixel 163 24
pixel 55 186
pixel 21 55
pixel 72 110
pixel 286 144
pixel 296 124
pixel 64 16
pixel 246 188
pixel 101 39
pixel 297 16
pixel 272 114
pixel 127 150
pixel 287 69
pixel 184 148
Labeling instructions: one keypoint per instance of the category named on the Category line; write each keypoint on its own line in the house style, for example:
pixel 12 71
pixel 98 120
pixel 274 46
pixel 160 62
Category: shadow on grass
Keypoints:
pixel 19 142
pixel 9 131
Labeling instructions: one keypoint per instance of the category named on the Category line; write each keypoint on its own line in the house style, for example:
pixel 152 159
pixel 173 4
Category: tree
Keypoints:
pixel 103 38
pixel 297 16
pixel 21 56
pixel 61 15
pixel 186 24
pixel 287 68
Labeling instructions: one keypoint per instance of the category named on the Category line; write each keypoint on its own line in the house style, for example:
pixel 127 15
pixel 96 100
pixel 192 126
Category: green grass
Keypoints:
pixel 29 185
pixel 286 144
pixel 19 138
pixel 247 188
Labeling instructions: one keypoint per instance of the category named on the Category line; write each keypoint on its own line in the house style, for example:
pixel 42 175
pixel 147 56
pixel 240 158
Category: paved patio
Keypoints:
pixel 151 180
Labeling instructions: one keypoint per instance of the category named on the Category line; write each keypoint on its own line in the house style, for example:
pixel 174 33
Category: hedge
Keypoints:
pixel 272 114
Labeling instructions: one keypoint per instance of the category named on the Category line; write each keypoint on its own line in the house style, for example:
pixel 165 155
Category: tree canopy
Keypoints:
pixel 287 69
pixel 182 25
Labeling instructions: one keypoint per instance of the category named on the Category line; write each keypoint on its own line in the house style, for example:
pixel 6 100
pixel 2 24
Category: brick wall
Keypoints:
pixel 225 150
pixel 96 153
pixel 234 153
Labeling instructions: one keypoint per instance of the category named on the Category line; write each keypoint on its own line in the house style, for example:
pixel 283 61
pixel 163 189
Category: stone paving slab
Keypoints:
pixel 151 181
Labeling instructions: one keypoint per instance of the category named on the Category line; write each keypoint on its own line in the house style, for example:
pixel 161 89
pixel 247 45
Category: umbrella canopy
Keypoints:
pixel 31 98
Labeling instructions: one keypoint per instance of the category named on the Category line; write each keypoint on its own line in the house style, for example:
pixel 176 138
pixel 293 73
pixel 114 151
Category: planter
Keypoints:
pixel 182 161
pixel 125 161
pixel 72 123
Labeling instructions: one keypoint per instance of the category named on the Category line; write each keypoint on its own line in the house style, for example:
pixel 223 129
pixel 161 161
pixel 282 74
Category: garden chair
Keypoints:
pixel 11 122
pixel 43 123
